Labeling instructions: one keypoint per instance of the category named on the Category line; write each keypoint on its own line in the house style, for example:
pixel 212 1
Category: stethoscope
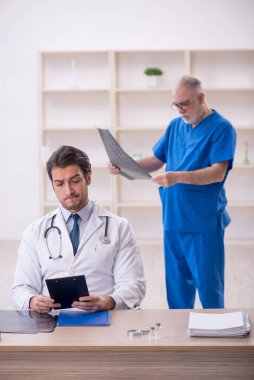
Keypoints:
pixel 104 239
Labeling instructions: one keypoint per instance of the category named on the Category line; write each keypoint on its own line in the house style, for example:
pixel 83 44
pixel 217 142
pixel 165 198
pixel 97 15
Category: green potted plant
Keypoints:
pixel 152 74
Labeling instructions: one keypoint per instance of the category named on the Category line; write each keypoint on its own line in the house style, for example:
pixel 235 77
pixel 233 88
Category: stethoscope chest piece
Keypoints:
pixel 105 240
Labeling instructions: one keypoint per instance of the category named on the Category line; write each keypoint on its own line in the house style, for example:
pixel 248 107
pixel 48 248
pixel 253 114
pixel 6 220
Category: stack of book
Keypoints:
pixel 230 324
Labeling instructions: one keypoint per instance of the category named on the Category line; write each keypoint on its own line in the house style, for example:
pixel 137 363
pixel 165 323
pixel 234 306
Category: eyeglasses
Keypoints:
pixel 181 106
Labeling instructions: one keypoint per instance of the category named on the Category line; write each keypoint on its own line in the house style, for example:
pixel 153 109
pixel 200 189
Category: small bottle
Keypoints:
pixel 152 335
pixel 158 330
pixel 246 160
pixel 136 156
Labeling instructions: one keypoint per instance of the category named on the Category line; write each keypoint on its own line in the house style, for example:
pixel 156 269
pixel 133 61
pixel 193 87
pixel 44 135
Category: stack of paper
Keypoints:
pixel 218 325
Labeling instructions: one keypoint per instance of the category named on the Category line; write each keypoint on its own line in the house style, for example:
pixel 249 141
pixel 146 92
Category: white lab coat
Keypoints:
pixel 113 269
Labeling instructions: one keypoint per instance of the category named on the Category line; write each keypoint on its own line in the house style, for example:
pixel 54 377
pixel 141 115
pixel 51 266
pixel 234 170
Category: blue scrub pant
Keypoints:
pixel 194 262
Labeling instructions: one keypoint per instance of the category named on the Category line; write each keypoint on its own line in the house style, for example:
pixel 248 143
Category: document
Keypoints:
pixel 25 322
pixel 218 324
pixel 129 168
pixel 83 318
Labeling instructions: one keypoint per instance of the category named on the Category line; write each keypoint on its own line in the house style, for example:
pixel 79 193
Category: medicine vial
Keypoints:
pixel 152 334
pixel 246 160
pixel 158 330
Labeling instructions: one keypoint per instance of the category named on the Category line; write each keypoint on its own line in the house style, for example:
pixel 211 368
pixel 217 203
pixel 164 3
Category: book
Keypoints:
pixel 230 324
pixel 83 318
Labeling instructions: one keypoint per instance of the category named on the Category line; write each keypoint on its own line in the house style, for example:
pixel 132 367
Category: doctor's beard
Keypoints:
pixel 74 203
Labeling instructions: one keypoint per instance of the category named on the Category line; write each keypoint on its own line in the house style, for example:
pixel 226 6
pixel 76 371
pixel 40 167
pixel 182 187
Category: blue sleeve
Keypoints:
pixel 160 148
pixel 223 145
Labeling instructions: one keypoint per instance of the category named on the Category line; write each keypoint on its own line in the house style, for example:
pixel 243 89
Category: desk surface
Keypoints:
pixel 174 336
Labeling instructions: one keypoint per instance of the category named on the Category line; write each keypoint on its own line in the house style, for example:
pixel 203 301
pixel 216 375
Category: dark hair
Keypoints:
pixel 68 155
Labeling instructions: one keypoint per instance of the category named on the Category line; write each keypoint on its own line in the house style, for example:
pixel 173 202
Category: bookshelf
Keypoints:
pixel 81 90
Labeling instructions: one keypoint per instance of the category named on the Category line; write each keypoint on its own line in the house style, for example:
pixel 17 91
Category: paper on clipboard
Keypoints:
pixel 129 168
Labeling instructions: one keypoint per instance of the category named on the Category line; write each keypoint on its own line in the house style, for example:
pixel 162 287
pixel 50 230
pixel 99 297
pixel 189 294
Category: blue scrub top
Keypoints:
pixel 195 208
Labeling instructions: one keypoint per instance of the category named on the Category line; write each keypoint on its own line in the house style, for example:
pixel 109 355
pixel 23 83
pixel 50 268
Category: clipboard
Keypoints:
pixel 66 290
pixel 129 168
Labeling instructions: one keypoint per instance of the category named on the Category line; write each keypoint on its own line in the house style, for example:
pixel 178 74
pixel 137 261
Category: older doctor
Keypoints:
pixel 80 237
pixel 198 150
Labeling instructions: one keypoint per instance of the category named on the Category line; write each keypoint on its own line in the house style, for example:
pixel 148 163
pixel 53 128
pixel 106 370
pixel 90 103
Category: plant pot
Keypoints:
pixel 152 80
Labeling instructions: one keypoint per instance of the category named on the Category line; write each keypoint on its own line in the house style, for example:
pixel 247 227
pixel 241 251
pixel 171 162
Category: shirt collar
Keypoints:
pixel 84 213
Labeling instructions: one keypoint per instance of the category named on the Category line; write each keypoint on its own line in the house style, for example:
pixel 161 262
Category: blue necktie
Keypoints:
pixel 74 235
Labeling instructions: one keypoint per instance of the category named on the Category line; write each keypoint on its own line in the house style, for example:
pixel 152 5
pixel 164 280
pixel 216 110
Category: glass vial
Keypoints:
pixel 158 330
pixel 246 160
pixel 152 334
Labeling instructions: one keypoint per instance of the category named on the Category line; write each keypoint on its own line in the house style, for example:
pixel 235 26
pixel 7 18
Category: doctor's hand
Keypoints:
pixel 113 169
pixel 95 303
pixel 42 304
pixel 166 179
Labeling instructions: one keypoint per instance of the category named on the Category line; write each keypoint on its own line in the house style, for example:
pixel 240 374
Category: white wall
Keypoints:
pixel 29 26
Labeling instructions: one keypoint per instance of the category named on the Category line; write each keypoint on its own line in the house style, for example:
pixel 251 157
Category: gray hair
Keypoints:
pixel 191 83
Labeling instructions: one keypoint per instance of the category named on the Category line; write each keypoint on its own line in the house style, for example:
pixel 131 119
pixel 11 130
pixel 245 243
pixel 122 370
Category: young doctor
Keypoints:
pixel 198 149
pixel 80 237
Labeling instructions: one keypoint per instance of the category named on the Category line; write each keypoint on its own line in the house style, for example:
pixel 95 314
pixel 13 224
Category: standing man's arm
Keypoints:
pixel 214 173
pixel 150 164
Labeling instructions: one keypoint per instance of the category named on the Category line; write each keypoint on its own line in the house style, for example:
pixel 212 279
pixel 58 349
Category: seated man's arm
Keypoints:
pixel 129 289
pixel 95 302
pixel 27 284
pixel 130 284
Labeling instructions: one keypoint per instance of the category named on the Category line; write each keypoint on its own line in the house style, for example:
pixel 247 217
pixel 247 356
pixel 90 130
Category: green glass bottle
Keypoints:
pixel 246 160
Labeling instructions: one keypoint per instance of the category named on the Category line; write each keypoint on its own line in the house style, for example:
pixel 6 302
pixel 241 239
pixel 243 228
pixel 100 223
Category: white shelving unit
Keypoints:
pixel 82 90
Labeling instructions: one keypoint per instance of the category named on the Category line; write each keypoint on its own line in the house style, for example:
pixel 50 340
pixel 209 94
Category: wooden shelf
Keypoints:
pixel 73 90
pixel 156 89
pixel 109 90
pixel 73 129
pixel 241 203
pixel 138 204
pixel 242 166
pixel 140 129
pixel 239 242
pixel 244 128
pixel 235 89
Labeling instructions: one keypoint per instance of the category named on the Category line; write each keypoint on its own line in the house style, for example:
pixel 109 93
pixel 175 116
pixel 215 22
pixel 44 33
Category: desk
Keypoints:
pixel 107 352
